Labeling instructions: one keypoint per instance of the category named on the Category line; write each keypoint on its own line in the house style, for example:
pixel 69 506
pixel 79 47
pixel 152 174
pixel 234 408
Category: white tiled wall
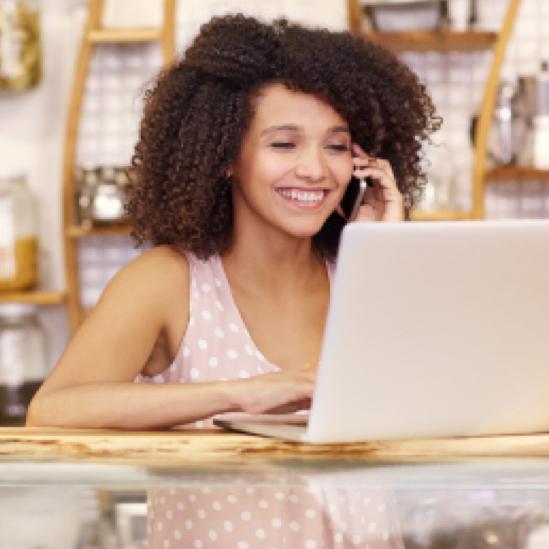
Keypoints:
pixel 456 82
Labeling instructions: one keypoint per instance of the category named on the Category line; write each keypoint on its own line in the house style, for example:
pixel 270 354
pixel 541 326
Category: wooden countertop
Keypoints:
pixel 219 450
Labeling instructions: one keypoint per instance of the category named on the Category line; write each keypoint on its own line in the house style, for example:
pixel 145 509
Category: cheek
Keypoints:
pixel 270 169
pixel 343 173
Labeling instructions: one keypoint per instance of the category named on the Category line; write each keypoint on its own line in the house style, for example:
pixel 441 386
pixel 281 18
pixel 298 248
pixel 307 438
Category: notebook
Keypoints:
pixel 434 329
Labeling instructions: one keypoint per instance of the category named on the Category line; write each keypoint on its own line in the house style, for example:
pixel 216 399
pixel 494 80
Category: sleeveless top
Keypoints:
pixel 305 513
pixel 217 345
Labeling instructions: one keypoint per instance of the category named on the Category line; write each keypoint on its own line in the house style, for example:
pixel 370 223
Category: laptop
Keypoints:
pixel 435 329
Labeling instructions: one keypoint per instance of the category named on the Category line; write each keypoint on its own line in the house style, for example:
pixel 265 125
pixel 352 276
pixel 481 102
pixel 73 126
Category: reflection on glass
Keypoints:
pixel 317 515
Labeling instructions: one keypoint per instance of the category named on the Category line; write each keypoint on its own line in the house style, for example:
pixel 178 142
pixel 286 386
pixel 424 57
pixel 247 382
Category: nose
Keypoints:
pixel 310 165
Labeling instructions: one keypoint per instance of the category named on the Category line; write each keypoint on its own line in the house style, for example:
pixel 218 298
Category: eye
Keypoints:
pixel 339 147
pixel 283 145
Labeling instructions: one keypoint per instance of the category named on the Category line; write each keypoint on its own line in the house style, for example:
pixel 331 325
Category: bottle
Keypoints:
pixel 22 360
pixel 87 180
pixel 18 238
pixel 20 51
pixel 502 129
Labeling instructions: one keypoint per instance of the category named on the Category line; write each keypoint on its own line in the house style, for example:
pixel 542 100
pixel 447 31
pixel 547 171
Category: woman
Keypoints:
pixel 242 174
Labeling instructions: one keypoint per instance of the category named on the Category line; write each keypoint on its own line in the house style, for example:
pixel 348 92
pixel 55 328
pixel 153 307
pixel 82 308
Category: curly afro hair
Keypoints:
pixel 200 107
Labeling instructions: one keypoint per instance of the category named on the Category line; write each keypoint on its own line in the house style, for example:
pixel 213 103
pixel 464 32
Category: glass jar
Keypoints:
pixel 18 239
pixel 23 364
pixel 109 198
pixel 20 52
pixel 101 194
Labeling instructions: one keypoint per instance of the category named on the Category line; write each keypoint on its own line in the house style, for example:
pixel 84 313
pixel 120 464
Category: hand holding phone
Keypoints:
pixel 383 201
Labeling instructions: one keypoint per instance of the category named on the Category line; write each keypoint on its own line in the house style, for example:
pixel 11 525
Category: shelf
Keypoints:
pixel 79 231
pixel 516 173
pixel 33 297
pixel 127 36
pixel 440 215
pixel 443 41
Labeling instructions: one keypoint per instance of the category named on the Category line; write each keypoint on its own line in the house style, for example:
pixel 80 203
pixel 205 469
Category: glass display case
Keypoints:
pixel 105 489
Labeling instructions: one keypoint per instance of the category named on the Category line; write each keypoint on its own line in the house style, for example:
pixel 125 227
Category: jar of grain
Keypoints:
pixel 18 237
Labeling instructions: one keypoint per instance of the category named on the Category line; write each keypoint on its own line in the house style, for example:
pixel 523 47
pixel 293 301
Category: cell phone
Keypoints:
pixel 362 186
pixel 354 196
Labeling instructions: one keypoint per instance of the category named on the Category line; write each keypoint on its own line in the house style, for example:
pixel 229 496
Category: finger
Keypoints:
pixel 303 404
pixel 385 165
pixel 375 163
pixel 363 159
pixel 366 213
pixel 359 151
pixel 374 196
pixel 381 178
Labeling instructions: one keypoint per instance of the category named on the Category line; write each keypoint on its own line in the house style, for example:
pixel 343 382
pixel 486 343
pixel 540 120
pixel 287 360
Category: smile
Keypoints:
pixel 303 198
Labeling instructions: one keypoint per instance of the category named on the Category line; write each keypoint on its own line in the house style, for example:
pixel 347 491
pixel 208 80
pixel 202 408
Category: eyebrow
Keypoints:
pixel 294 128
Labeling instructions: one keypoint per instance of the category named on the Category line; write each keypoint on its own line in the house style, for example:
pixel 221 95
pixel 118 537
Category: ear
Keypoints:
pixel 229 172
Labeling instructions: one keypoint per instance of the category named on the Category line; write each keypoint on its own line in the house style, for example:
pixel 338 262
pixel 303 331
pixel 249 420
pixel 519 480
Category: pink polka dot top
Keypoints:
pixel 217 346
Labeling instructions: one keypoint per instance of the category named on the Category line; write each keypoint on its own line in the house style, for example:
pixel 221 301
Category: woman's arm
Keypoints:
pixel 92 384
pixel 127 405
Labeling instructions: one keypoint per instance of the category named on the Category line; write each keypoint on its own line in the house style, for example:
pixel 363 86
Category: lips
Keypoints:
pixel 304 198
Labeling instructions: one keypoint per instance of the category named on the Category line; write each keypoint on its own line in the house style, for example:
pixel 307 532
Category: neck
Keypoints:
pixel 273 262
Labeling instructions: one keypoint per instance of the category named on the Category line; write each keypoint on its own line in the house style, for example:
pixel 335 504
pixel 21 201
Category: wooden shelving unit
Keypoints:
pixel 95 35
pixel 447 41
pixel 128 36
pixel 480 172
pixel 516 173
pixel 442 41
pixel 33 297
pixel 440 215
pixel 79 231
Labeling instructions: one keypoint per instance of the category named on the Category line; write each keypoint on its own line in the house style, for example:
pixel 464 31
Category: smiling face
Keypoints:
pixel 294 165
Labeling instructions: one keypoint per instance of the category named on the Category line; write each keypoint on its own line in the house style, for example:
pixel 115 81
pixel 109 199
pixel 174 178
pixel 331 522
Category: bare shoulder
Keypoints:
pixel 153 289
pixel 146 298
pixel 157 272
pixel 165 261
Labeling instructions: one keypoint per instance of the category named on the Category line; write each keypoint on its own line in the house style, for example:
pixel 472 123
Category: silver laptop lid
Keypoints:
pixel 436 329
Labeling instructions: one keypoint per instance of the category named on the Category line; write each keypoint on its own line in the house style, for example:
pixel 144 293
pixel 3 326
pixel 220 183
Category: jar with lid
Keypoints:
pixel 109 198
pixel 23 364
pixel 18 238
pixel 20 52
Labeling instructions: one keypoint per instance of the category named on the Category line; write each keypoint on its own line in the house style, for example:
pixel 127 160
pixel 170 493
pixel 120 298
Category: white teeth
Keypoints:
pixel 302 196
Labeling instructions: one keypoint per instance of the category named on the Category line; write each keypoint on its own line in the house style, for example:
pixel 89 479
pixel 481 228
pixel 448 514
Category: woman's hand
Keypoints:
pixel 383 201
pixel 279 392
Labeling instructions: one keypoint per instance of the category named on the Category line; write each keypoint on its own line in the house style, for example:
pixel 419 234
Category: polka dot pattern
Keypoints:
pixel 264 518
pixel 218 347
